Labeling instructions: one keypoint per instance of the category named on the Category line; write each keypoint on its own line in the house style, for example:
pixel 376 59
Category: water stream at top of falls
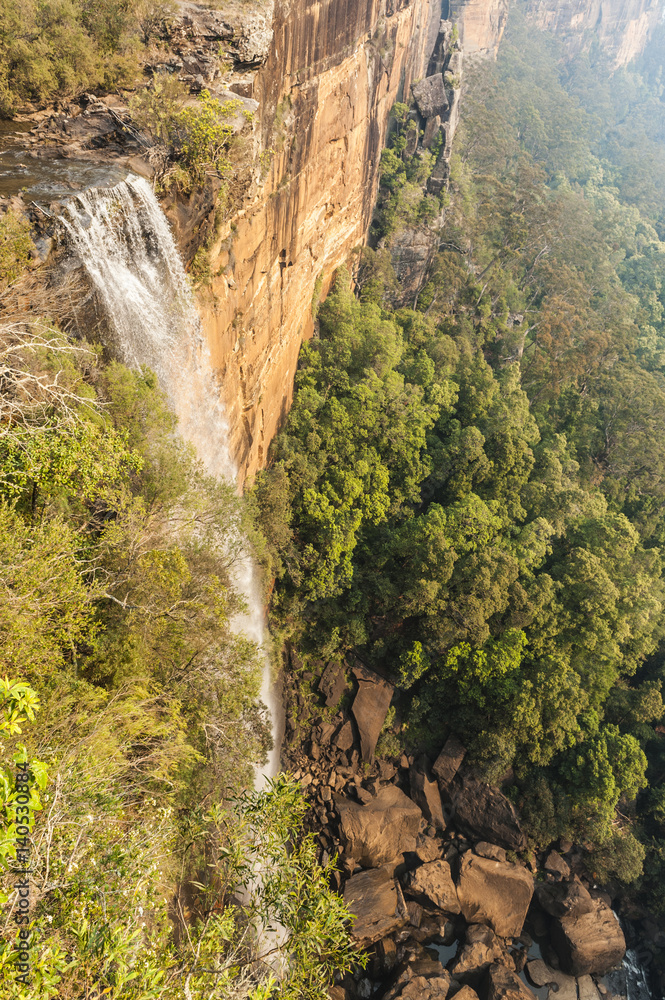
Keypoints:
pixel 124 241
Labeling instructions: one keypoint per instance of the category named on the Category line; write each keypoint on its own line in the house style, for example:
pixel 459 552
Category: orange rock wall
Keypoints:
pixel 481 25
pixel 334 70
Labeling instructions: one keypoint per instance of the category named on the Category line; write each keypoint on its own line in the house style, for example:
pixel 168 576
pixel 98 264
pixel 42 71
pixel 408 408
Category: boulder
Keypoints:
pixel 332 684
pixel 539 973
pixel 415 984
pixel 466 993
pixel 484 813
pixel 344 738
pixel 480 950
pixel 562 986
pixel 561 899
pixel 587 989
pixel 490 851
pixel 426 795
pixel 494 893
pixel 428 849
pixel 380 831
pixel 590 942
pixel 430 96
pixel 448 763
pixel 370 707
pixel 376 900
pixel 555 864
pixel 432 885
pixel 420 988
pixel 502 984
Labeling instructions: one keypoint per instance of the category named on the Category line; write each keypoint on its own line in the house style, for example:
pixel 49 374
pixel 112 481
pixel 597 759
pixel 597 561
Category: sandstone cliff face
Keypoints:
pixel 333 70
pixel 481 25
pixel 622 27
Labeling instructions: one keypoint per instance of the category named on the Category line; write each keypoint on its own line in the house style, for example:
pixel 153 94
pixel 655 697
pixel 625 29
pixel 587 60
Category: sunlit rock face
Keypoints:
pixel 333 71
pixel 622 27
pixel 481 25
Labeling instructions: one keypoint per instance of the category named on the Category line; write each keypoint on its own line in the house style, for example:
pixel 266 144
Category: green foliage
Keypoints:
pixel 116 555
pixel 58 48
pixel 198 135
pixel 15 247
pixel 158 106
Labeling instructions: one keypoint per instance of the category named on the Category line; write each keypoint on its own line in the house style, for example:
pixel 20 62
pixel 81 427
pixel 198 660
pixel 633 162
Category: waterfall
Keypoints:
pixel 126 246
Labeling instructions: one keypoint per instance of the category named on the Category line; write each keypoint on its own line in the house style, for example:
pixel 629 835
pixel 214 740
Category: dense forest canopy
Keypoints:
pixel 474 484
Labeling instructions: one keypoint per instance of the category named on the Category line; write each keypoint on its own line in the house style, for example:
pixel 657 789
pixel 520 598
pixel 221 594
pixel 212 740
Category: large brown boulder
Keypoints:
pixel 332 683
pixel 561 899
pixel 502 984
pixel 541 974
pixel 430 96
pixel 425 793
pixel 420 988
pixel 416 983
pixel 466 993
pixel 496 893
pixel 448 763
pixel 590 942
pixel 382 830
pixel 484 813
pixel 370 707
pixel 481 949
pixel 432 885
pixel 375 899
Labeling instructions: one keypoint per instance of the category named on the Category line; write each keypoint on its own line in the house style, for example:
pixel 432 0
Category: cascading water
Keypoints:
pixel 125 244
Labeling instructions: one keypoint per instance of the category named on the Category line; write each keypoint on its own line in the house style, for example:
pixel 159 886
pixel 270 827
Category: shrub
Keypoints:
pixel 15 246
pixel 197 134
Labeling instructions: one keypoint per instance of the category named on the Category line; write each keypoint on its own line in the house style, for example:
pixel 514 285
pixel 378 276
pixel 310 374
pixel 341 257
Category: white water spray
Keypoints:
pixel 125 244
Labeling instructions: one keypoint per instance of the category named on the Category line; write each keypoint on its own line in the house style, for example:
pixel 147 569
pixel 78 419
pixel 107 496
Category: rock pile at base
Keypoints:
pixel 432 862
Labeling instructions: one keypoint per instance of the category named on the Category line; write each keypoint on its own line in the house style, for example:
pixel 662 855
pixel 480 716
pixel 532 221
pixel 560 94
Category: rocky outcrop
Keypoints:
pixel 376 901
pixel 370 707
pixel 430 96
pixel 494 893
pixel 481 949
pixel 621 27
pixel 589 942
pixel 415 887
pixel 485 814
pixel 381 831
pixel 502 984
pixel 432 885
